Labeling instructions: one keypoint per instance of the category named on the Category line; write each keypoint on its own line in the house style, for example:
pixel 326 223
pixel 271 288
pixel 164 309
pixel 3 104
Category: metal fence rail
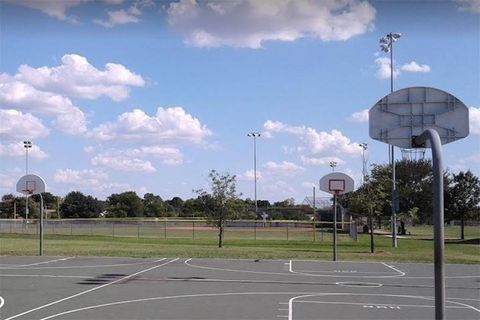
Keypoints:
pixel 175 228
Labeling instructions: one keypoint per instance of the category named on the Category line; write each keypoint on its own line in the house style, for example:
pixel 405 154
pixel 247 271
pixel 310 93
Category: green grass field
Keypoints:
pixel 409 250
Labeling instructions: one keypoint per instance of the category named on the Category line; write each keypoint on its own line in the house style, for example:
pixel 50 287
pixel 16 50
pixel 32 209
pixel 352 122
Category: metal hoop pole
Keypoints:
pixel 438 219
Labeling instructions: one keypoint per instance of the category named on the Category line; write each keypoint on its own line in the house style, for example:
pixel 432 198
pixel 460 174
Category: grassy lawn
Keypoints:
pixel 409 250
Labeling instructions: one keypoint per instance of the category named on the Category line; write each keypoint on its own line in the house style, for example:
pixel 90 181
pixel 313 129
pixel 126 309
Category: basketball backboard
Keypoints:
pixel 336 183
pixel 31 184
pixel 401 116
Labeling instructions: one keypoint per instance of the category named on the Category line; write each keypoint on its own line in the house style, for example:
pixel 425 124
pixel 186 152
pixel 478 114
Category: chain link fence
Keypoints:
pixel 173 228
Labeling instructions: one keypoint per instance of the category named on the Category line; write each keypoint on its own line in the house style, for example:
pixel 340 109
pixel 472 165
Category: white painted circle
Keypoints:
pixel 359 284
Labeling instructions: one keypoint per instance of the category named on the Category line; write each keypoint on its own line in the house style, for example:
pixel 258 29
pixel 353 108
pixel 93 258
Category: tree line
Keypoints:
pixel 372 199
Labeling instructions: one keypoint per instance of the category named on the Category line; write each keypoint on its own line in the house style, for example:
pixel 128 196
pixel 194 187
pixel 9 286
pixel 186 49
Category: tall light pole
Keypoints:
pixel 364 147
pixel 27 145
pixel 333 164
pixel 254 135
pixel 386 44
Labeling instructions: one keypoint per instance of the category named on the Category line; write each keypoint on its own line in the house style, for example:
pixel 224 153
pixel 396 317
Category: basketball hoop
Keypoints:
pixel 414 154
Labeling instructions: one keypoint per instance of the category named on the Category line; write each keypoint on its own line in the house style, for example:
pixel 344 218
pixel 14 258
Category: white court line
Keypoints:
pixel 80 266
pixel 42 276
pixel 353 275
pixel 401 273
pixel 379 304
pixel 172 297
pixel 2 302
pixel 290 302
pixel 301 294
pixel 187 262
pixel 93 289
pixel 45 262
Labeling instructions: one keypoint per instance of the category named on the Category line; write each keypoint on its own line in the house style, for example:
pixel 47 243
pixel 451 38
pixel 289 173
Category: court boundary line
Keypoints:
pixel 92 289
pixel 290 302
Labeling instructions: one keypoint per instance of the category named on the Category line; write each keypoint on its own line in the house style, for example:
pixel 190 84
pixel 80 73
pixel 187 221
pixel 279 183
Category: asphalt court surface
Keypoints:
pixel 173 288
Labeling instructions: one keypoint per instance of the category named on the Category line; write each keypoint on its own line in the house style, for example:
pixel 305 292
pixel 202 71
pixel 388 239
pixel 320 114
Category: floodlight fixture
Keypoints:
pixel 333 164
pixel 385 47
pixel 395 36
pixel 384 40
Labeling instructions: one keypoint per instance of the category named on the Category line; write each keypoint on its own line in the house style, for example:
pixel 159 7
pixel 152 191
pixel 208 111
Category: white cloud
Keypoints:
pixel 316 148
pixel 278 189
pixel 384 72
pixel 320 161
pixel 383 69
pixel 415 67
pixel 9 178
pixel 79 177
pixel 88 180
pixel 469 5
pixel 249 175
pixel 284 169
pixel 21 96
pixel 474 116
pixel 53 8
pixel 123 163
pixel 20 126
pixel 120 17
pixel 76 77
pixel 248 23
pixel 18 150
pixel 359 117
pixel 475 158
pixel 166 126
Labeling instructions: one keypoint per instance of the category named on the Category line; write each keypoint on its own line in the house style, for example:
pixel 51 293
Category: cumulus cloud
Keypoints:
pixel 249 23
pixel 17 95
pixel 383 68
pixel 18 150
pixel 359 117
pixel 119 17
pixel 123 163
pixel 166 126
pixel 469 5
pixel 474 120
pixel 89 180
pixel 249 175
pixel 415 67
pixel 56 9
pixel 284 169
pixel 316 148
pixel 20 126
pixel 9 178
pixel 76 77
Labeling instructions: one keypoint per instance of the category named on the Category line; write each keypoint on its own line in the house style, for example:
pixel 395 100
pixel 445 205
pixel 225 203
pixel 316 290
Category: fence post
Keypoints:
pixel 165 229
pixel 71 228
pixel 113 229
pixel 91 228
pixel 193 230
pixel 287 231
pixel 255 229
pixel 138 230
pixel 314 230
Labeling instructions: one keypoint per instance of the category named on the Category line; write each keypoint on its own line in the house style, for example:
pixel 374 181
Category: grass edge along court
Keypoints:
pixel 408 250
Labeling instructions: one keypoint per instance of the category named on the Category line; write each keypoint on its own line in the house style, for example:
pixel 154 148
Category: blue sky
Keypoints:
pixel 150 96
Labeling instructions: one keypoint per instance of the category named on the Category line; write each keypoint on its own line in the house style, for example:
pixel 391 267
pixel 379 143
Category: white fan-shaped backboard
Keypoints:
pixel 337 183
pixel 405 114
pixel 31 184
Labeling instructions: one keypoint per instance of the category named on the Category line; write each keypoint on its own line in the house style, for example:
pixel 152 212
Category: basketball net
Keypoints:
pixel 414 154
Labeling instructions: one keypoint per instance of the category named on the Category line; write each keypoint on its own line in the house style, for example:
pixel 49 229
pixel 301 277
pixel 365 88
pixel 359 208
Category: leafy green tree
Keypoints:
pixel 221 204
pixel 176 204
pixel 154 206
pixel 369 201
pixel 465 195
pixel 7 206
pixel 78 205
pixel 125 204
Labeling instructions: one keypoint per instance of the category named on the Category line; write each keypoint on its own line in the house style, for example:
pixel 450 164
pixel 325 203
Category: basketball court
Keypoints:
pixel 179 288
